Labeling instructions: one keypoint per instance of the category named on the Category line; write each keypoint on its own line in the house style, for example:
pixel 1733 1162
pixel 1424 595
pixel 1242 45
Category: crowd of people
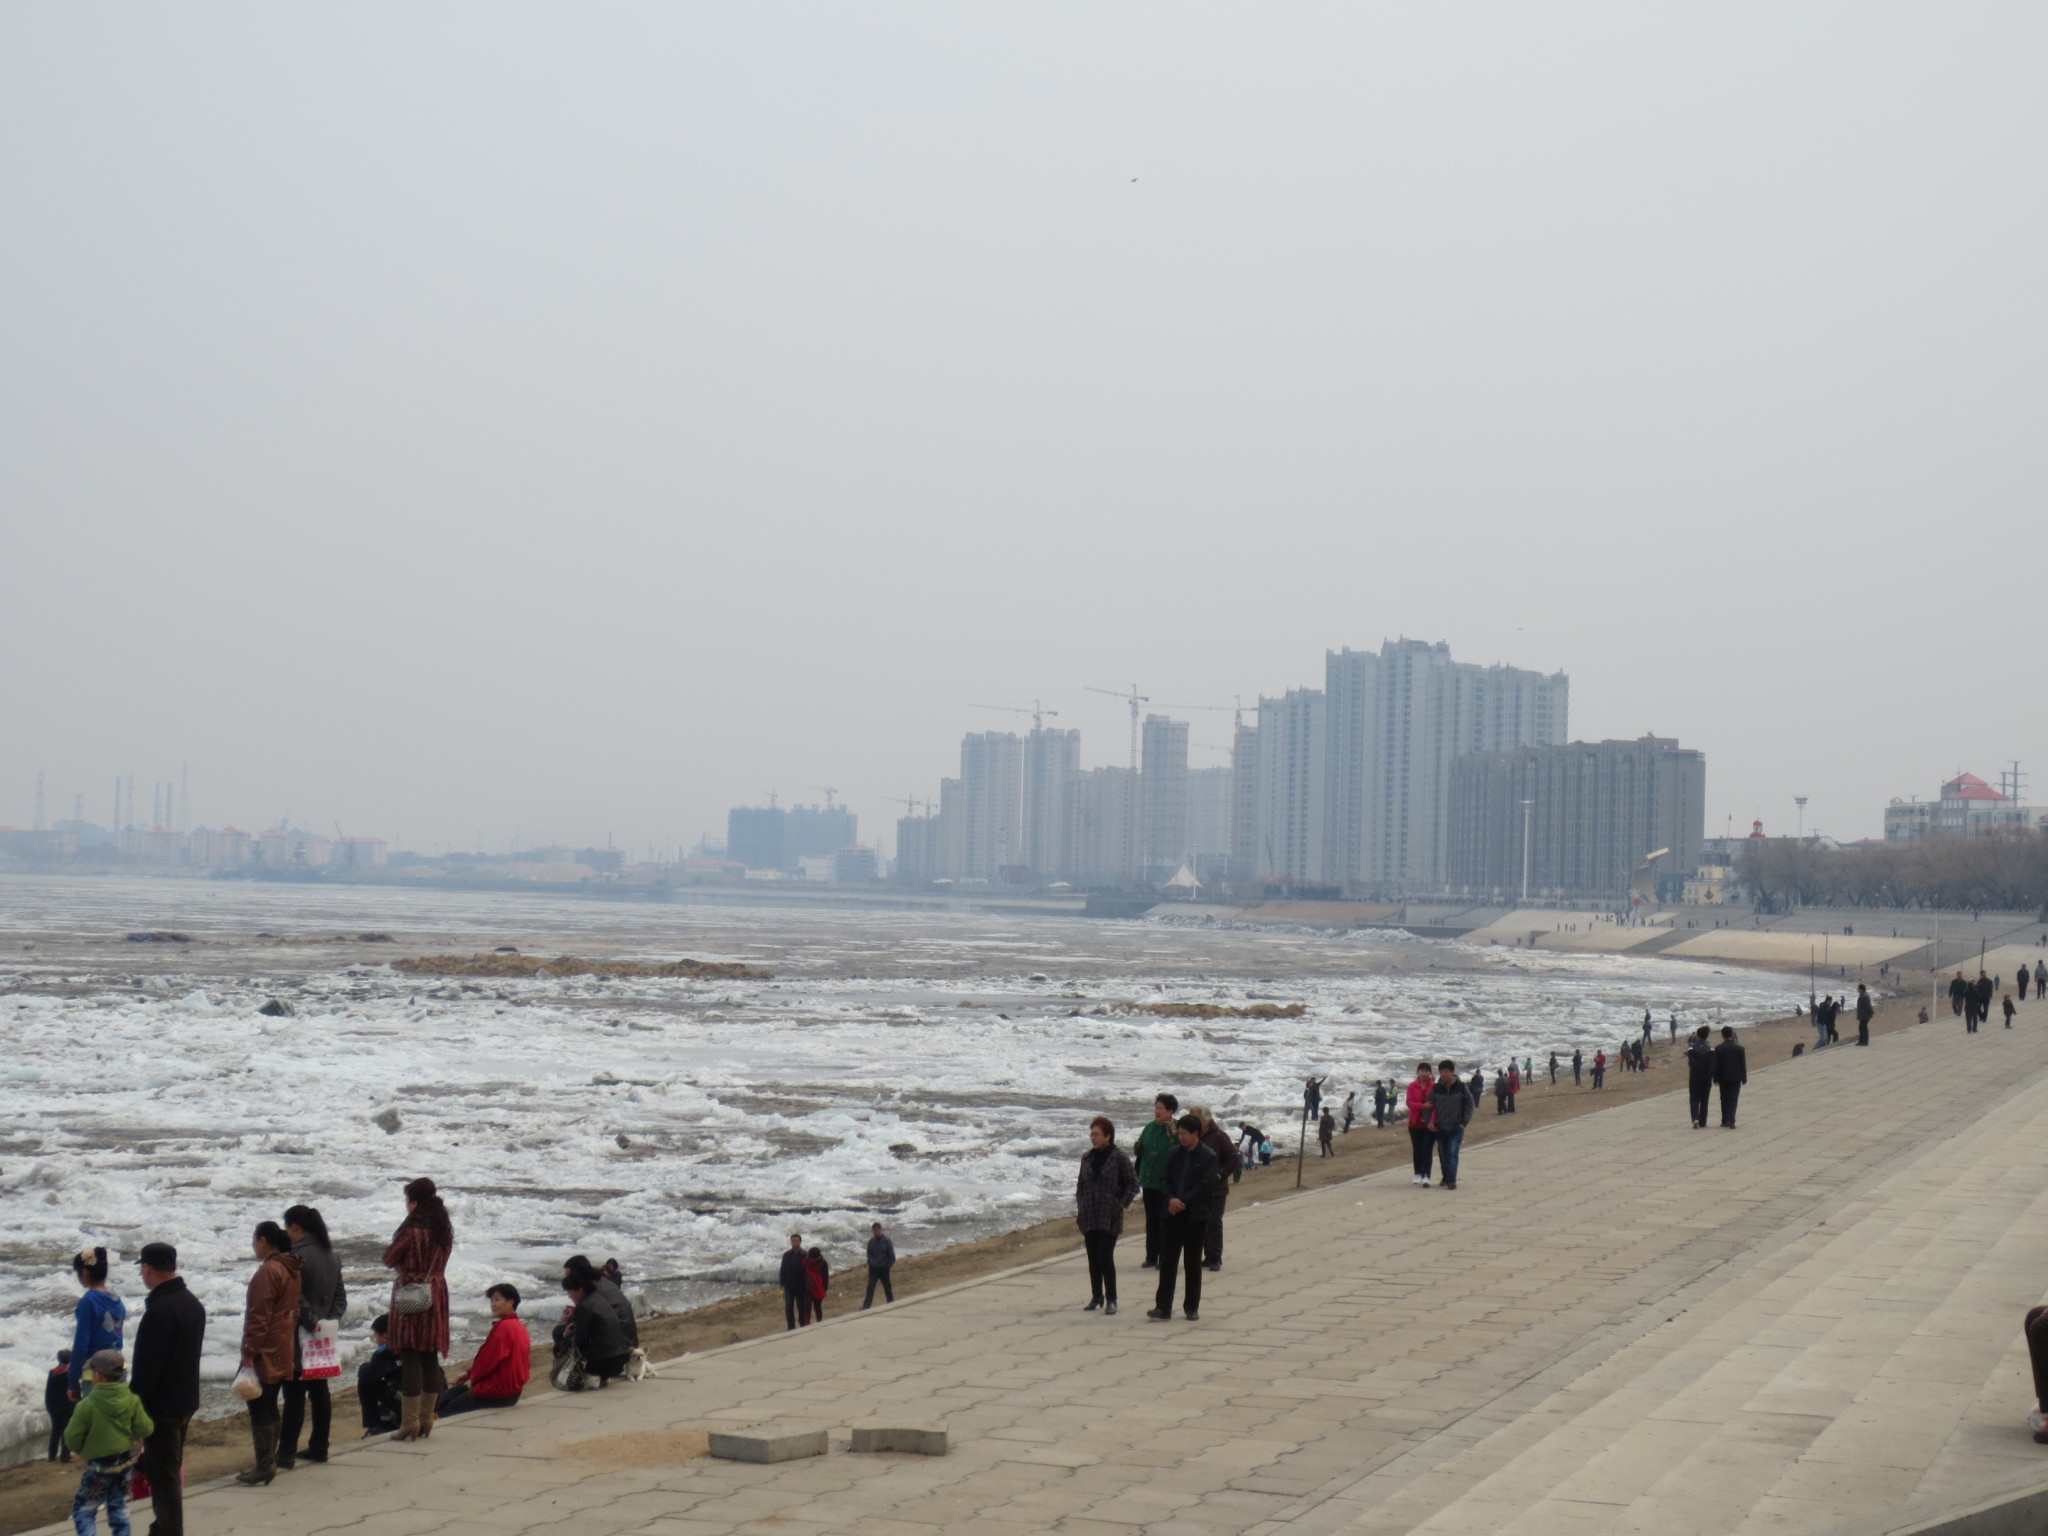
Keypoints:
pixel 127 1417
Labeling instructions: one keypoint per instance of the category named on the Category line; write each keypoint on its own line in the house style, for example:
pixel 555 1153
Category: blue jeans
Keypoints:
pixel 104 1481
pixel 1447 1145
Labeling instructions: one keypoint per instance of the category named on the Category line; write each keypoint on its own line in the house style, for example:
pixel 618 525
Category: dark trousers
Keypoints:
pixel 791 1298
pixel 1700 1091
pixel 1730 1092
pixel 1863 1031
pixel 1422 1143
pixel 163 1455
pixel 809 1309
pixel 878 1275
pixel 1101 1264
pixel 1181 1244
pixel 1212 1229
pixel 1448 1146
pixel 461 1400
pixel 1155 1222
pixel 296 1396
pixel 59 1419
pixel 2036 1330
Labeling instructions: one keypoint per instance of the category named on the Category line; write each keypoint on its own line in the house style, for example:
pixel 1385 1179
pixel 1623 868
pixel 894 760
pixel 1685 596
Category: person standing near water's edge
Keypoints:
pixel 1103 1191
pixel 1578 1064
pixel 270 1321
pixel 1227 1164
pixel 322 1299
pixel 1731 1071
pixel 165 1376
pixel 418 1253
pixel 881 1260
pixel 1421 1124
pixel 1192 1176
pixel 1864 1009
pixel 791 1278
pixel 1151 1150
pixel 96 1320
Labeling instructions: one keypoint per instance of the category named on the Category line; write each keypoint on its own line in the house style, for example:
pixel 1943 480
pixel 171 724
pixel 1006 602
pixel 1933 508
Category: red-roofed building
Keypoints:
pixel 1968 807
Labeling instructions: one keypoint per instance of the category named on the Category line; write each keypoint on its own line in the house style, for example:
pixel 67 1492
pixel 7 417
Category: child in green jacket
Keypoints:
pixel 109 1422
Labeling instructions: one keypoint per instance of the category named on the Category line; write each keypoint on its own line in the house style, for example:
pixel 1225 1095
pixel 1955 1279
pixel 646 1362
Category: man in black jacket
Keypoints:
pixel 165 1376
pixel 1699 1074
pixel 1864 1009
pixel 791 1276
pixel 594 1329
pixel 379 1380
pixel 1731 1071
pixel 1451 1101
pixel 1192 1175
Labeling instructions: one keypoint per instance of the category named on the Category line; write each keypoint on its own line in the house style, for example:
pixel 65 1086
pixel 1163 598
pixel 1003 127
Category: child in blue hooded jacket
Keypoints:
pixel 99 1317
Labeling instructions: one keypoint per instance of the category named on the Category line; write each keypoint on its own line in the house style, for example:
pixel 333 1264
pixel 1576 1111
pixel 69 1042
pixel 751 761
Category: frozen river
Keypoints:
pixel 935 1071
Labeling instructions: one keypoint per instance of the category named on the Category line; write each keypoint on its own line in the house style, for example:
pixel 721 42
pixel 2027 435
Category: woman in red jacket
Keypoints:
pixel 503 1366
pixel 817 1281
pixel 1422 1121
pixel 419 1254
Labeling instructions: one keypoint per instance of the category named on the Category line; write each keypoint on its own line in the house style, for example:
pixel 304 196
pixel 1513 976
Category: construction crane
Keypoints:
pixel 827 793
pixel 1134 699
pixel 909 805
pixel 1037 711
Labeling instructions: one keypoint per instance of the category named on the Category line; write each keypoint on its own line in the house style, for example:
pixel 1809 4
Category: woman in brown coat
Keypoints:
pixel 419 1254
pixel 269 1325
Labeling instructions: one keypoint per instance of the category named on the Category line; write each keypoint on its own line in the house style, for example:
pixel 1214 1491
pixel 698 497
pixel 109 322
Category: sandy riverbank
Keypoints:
pixel 40 1493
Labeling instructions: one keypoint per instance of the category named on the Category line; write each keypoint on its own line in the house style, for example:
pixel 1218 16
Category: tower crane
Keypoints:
pixel 827 793
pixel 1036 712
pixel 909 805
pixel 1134 699
pixel 1235 706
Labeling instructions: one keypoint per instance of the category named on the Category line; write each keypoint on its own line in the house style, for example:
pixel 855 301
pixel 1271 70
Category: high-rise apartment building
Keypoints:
pixel 758 836
pixel 1051 757
pixel 1210 842
pixel 1398 719
pixel 1100 805
pixel 917 850
pixel 819 831
pixel 1162 798
pixel 1289 836
pixel 1244 800
pixel 992 804
pixel 1595 810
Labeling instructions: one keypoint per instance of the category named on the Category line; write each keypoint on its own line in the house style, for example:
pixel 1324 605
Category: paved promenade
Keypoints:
pixel 1616 1324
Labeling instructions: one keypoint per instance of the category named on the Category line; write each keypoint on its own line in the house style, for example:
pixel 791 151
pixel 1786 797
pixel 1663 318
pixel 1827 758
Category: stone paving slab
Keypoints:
pixel 1615 1324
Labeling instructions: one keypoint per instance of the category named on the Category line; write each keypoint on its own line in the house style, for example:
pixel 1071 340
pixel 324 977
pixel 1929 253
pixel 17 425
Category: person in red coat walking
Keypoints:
pixel 418 1256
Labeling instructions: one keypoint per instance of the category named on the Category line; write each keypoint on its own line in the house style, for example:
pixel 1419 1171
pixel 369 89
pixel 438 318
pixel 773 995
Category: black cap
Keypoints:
pixel 159 1256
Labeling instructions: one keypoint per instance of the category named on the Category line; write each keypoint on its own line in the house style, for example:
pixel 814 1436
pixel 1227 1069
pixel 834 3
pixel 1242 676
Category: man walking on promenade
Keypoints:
pixel 1227 1163
pixel 1699 1074
pixel 1326 1135
pixel 795 1292
pixel 166 1378
pixel 1153 1146
pixel 2025 977
pixel 2040 979
pixel 1553 1069
pixel 1451 1103
pixel 1731 1071
pixel 1864 1009
pixel 881 1259
pixel 1189 1182
pixel 1958 989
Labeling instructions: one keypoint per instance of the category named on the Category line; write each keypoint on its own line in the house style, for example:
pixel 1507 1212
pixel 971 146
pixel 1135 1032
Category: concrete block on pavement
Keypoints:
pixel 926 1439
pixel 769 1442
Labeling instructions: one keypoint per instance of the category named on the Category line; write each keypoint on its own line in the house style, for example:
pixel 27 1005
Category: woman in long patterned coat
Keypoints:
pixel 1105 1188
pixel 419 1254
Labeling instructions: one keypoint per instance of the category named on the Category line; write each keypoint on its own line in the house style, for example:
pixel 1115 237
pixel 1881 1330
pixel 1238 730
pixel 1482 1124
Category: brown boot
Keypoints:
pixel 266 1437
pixel 409 1426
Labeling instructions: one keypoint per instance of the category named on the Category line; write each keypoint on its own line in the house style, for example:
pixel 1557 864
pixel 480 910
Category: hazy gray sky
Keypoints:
pixel 442 418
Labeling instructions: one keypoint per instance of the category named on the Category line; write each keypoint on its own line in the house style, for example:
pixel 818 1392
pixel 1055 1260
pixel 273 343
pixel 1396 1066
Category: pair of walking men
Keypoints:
pixel 1708 1066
